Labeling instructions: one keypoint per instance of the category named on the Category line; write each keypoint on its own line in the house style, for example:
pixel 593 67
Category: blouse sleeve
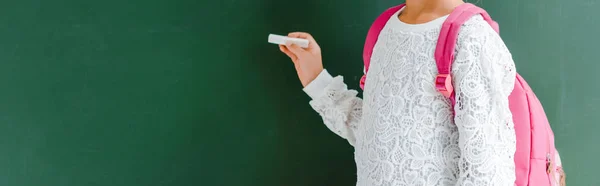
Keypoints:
pixel 484 76
pixel 339 107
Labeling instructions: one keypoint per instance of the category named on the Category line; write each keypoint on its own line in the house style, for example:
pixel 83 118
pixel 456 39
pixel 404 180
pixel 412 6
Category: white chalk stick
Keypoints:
pixel 281 40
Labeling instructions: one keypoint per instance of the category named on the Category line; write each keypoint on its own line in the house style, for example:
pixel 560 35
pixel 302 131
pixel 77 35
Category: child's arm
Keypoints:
pixel 484 76
pixel 340 108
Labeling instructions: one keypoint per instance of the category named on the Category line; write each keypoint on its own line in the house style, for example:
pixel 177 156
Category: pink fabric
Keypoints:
pixel 520 112
pixel 372 36
pixel 444 52
pixel 535 139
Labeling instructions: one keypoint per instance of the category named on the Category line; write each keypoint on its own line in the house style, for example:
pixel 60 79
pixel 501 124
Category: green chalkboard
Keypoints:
pixel 189 93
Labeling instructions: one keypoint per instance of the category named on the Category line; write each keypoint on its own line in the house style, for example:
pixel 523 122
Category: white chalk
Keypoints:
pixel 281 40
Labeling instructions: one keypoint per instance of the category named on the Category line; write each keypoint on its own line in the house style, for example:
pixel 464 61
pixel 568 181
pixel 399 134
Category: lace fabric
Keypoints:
pixel 404 131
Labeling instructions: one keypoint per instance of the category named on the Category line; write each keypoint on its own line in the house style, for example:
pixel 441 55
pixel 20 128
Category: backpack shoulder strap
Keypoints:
pixel 372 36
pixel 444 52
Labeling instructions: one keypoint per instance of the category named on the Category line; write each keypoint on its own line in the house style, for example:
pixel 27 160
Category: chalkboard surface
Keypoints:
pixel 189 93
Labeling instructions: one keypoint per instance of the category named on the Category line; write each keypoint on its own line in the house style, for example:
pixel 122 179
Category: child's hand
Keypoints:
pixel 307 61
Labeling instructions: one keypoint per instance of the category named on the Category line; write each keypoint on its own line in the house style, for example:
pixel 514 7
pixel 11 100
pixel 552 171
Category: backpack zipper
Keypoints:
pixel 548 163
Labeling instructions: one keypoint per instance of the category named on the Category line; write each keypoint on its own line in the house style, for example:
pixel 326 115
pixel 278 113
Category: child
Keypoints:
pixel 404 131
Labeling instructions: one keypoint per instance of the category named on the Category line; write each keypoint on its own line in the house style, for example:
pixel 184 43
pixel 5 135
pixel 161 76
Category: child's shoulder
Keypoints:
pixel 476 26
pixel 477 30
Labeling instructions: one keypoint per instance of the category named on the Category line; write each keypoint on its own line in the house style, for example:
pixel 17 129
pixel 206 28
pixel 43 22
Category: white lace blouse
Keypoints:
pixel 404 131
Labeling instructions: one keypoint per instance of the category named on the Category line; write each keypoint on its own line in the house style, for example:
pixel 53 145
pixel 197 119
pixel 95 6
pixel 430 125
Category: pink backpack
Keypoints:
pixel 536 159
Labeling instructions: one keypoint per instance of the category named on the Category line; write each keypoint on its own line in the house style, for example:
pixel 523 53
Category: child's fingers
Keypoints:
pixel 295 49
pixel 284 49
pixel 287 52
pixel 312 43
pixel 302 35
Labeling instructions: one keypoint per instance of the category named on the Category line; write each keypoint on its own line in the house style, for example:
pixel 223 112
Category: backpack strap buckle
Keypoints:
pixel 443 83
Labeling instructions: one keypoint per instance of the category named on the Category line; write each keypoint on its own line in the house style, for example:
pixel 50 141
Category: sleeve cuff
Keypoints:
pixel 316 88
